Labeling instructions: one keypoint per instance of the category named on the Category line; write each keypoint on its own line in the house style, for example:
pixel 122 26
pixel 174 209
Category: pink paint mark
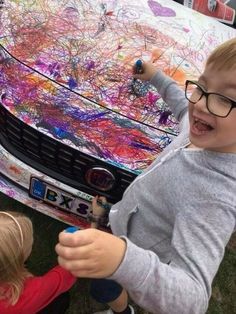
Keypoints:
pixel 27 119
pixel 152 98
pixel 11 193
pixel 159 10
pixel 186 30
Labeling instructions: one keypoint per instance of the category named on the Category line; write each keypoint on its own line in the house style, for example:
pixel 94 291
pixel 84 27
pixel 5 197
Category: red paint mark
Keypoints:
pixel 15 170
pixel 109 13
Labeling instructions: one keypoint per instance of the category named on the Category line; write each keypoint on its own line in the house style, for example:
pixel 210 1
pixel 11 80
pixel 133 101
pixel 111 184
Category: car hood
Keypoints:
pixel 66 69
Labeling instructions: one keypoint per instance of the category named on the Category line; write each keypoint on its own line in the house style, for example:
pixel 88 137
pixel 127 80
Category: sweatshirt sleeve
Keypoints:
pixel 184 285
pixel 171 93
pixel 42 290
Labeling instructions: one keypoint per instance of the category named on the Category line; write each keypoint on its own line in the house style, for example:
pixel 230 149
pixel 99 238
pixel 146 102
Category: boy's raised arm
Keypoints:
pixel 169 90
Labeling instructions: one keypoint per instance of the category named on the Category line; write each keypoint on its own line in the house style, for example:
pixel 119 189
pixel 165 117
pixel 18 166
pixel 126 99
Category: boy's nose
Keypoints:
pixel 201 104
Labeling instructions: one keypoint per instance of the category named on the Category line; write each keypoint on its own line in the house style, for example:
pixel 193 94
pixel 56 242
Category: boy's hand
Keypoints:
pixel 90 253
pixel 148 71
pixel 97 209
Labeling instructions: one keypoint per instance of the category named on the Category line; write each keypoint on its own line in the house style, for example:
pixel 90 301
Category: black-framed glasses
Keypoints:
pixel 217 104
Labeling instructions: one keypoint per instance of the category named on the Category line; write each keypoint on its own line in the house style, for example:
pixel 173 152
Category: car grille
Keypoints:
pixel 56 159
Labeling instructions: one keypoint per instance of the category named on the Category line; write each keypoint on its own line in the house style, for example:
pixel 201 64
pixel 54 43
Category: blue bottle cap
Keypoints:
pixel 139 66
pixel 72 229
pixel 139 63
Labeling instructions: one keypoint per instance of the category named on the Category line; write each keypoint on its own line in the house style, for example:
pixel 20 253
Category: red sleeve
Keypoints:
pixel 40 291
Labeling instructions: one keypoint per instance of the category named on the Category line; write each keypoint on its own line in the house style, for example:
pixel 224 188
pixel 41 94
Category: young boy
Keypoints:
pixel 174 221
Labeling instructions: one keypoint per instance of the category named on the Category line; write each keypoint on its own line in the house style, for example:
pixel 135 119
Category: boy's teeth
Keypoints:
pixel 201 121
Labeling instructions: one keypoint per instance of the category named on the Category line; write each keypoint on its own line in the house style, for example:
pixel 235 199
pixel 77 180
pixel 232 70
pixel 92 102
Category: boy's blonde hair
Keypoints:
pixel 16 238
pixel 224 56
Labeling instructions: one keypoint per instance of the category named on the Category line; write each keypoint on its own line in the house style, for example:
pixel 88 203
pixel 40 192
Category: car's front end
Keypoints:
pixel 73 122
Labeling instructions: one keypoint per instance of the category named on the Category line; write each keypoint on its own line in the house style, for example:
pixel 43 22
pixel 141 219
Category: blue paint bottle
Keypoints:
pixel 139 88
pixel 139 67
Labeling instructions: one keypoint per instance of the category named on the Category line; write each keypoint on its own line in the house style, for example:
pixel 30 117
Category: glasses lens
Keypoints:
pixel 219 105
pixel 193 92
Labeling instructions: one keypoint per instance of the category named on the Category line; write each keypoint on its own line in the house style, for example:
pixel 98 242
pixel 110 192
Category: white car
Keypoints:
pixel 73 122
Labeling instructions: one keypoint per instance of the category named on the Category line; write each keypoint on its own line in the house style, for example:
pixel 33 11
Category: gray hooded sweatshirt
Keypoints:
pixel 176 217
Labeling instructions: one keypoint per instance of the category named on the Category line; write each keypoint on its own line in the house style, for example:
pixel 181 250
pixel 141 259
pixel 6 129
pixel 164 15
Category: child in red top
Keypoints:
pixel 20 291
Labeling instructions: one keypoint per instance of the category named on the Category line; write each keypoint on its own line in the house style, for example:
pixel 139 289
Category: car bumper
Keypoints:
pixel 15 179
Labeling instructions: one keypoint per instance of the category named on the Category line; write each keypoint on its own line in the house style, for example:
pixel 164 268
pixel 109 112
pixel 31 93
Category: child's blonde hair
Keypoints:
pixel 16 238
pixel 224 56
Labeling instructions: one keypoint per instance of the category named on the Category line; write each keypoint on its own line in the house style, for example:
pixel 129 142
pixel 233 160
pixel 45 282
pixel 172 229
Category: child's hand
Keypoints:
pixel 148 71
pixel 97 209
pixel 90 253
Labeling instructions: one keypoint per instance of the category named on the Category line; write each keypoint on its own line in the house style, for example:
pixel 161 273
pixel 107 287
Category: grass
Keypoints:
pixel 43 257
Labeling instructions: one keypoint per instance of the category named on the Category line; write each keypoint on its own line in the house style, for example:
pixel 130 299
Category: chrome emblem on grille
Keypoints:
pixel 100 178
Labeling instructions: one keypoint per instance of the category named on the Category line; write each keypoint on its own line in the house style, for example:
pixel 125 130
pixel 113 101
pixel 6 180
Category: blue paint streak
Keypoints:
pixel 142 146
pixel 72 83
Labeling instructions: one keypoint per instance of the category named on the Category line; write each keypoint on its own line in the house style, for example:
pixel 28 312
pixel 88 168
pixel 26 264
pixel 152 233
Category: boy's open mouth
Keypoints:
pixel 201 127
